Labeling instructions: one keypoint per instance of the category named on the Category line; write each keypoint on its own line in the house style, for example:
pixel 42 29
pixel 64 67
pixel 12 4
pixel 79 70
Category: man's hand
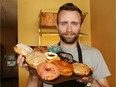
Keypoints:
pixel 21 62
pixel 86 79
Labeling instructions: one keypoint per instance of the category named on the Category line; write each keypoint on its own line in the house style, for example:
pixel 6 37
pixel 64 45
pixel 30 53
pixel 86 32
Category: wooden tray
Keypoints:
pixel 60 79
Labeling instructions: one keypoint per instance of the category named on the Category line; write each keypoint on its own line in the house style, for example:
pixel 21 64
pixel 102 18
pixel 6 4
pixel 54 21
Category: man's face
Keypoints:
pixel 69 25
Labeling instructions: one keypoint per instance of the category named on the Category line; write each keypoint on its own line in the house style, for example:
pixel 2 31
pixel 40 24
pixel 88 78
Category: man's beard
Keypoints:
pixel 69 38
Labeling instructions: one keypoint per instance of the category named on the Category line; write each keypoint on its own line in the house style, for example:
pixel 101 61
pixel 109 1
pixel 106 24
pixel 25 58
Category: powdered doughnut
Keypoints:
pixel 48 71
pixel 66 69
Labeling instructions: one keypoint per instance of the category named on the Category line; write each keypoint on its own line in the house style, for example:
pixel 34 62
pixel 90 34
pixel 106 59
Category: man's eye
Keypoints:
pixel 75 23
pixel 63 23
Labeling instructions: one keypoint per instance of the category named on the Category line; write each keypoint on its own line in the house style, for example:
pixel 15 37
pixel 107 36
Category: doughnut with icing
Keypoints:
pixel 54 48
pixel 22 49
pixel 50 55
pixel 48 71
pixel 66 56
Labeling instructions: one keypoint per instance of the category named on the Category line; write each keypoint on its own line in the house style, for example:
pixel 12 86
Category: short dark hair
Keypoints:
pixel 69 7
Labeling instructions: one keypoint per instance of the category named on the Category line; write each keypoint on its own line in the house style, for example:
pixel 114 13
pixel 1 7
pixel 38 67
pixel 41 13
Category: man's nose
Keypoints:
pixel 69 28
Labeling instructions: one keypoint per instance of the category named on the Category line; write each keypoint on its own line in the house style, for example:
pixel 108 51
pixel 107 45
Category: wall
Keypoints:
pixel 103 32
pixel 28 19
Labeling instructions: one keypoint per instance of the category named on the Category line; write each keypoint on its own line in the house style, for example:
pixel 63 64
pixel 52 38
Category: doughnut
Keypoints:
pixel 41 49
pixel 22 49
pixel 48 71
pixel 50 55
pixel 66 56
pixel 57 58
pixel 81 69
pixel 66 69
pixel 54 48
pixel 35 58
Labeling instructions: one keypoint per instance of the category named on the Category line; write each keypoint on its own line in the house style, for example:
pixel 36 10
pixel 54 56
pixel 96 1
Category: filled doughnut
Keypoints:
pixel 66 69
pixel 50 55
pixel 81 69
pixel 48 71
pixel 22 49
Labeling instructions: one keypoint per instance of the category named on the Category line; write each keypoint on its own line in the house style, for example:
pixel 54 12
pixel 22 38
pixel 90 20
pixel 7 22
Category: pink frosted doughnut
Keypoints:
pixel 48 71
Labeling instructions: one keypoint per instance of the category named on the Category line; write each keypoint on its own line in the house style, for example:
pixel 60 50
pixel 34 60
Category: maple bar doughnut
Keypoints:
pixel 66 69
pixel 48 71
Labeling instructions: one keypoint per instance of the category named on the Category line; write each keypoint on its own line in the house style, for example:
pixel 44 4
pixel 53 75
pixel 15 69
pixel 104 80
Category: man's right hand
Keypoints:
pixel 21 62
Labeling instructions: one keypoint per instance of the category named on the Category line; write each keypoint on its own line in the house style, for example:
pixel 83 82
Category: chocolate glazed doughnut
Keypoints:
pixel 66 57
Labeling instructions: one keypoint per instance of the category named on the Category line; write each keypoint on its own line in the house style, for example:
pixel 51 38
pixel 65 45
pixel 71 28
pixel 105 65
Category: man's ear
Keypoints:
pixel 81 26
pixel 57 25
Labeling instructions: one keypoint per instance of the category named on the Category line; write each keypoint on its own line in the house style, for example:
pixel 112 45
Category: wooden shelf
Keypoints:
pixel 48 33
pixel 47 27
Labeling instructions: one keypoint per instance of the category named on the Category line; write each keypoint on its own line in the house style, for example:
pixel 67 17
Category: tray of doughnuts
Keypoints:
pixel 51 64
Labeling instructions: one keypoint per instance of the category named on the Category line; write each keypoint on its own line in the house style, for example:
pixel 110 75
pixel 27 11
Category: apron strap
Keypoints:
pixel 79 53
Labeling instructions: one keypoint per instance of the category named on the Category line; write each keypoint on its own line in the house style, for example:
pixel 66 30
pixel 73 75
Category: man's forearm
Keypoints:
pixel 97 84
pixel 33 81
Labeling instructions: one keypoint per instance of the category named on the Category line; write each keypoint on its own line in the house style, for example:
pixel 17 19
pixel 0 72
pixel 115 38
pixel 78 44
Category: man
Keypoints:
pixel 69 23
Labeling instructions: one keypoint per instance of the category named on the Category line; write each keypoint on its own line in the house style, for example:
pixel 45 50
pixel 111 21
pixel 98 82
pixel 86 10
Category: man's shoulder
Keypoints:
pixel 89 48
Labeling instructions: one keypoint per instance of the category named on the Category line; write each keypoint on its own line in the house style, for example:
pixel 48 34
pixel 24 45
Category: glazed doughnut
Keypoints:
pixel 48 71
pixel 41 49
pixel 66 69
pixel 22 49
pixel 81 69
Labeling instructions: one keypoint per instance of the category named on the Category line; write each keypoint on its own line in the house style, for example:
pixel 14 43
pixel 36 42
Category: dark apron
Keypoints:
pixel 72 83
